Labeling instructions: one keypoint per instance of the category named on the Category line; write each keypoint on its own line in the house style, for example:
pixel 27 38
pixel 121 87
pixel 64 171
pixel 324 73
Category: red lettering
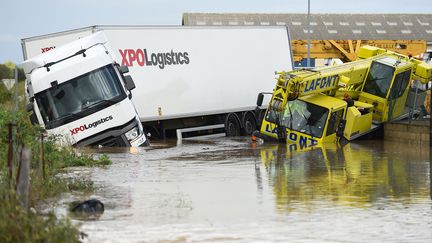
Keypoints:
pixel 45 49
pixel 82 128
pixel 140 57
pixel 72 131
pixel 131 56
pixel 124 58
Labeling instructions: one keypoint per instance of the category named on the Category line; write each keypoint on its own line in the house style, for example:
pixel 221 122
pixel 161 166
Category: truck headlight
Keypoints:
pixel 132 134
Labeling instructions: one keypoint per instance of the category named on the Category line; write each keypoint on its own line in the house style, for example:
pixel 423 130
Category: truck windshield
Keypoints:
pixel 80 96
pixel 379 79
pixel 302 117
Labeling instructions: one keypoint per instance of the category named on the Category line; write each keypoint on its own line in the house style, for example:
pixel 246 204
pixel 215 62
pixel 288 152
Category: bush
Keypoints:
pixel 18 224
pixel 5 94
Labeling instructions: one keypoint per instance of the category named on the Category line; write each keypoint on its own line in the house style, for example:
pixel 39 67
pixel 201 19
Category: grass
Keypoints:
pixel 19 224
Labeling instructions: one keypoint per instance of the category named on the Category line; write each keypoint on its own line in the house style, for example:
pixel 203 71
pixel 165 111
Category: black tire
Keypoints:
pixel 232 125
pixel 249 123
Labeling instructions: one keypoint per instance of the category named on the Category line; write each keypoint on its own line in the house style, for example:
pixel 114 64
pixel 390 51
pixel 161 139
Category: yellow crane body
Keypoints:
pixel 312 106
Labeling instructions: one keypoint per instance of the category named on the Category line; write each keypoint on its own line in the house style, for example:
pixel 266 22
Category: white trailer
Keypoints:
pixel 191 76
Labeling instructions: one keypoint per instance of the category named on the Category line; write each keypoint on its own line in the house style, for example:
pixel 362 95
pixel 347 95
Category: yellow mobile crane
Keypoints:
pixel 309 107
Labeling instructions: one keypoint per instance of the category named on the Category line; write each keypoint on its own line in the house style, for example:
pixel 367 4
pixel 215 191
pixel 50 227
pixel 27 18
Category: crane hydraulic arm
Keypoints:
pixel 298 83
pixel 322 104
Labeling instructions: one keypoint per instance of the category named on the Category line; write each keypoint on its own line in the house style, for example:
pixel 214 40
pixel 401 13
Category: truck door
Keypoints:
pixel 398 94
pixel 333 122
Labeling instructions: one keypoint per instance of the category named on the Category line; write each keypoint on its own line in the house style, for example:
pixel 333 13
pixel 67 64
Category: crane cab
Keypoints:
pixel 385 87
pixel 316 119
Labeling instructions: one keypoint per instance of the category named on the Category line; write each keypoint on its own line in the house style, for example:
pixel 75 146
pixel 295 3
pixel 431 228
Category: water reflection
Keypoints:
pixel 229 189
pixel 357 175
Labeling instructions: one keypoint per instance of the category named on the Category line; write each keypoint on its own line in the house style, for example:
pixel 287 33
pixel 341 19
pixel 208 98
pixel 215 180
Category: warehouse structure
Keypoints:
pixel 331 26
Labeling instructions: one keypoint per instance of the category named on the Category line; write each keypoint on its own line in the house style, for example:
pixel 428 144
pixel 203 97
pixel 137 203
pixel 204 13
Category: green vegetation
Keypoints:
pixel 7 71
pixel 20 224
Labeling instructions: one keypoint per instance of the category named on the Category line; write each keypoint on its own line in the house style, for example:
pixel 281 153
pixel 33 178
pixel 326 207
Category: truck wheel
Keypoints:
pixel 232 125
pixel 249 123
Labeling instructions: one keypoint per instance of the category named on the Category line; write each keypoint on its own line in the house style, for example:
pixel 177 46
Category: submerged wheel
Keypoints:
pixel 249 123
pixel 232 125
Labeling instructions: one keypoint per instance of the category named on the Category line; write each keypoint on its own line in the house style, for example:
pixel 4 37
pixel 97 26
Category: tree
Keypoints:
pixel 5 72
pixel 10 65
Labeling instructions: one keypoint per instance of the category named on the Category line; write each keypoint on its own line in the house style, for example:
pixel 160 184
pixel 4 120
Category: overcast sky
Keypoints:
pixel 22 19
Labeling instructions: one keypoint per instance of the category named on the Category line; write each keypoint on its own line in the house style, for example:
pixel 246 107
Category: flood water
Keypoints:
pixel 231 190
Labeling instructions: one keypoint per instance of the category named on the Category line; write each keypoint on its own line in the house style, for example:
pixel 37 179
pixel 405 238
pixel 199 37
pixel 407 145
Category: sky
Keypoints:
pixel 26 18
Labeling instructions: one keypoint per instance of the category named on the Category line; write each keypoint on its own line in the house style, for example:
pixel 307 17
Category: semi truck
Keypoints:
pixel 79 93
pixel 342 102
pixel 190 78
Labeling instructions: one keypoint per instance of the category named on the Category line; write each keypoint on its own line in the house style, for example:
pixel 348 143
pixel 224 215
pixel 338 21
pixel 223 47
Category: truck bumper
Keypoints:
pixel 115 137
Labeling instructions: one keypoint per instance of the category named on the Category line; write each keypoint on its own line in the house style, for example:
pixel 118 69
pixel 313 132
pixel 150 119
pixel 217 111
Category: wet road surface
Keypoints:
pixel 230 190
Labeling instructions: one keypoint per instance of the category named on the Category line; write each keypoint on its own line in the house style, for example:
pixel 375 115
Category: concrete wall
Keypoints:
pixel 417 132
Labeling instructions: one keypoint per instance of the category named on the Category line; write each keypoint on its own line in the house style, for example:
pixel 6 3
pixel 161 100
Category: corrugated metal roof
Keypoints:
pixel 330 26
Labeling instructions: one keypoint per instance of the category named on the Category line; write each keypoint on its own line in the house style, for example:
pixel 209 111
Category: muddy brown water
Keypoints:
pixel 231 190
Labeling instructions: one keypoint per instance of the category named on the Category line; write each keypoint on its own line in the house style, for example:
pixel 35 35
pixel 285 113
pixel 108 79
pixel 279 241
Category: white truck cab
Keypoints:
pixel 80 94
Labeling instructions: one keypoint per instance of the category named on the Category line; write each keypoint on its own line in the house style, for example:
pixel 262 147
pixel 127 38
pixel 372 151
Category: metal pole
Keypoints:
pixel 10 153
pixel 16 89
pixel 308 35
pixel 43 156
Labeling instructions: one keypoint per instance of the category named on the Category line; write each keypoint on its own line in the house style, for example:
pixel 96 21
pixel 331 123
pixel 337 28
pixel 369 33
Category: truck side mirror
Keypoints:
pixel 260 99
pixel 33 118
pixel 29 107
pixel 130 85
pixel 123 69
